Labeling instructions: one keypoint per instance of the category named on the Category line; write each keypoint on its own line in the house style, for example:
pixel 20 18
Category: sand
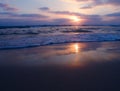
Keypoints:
pixel 87 66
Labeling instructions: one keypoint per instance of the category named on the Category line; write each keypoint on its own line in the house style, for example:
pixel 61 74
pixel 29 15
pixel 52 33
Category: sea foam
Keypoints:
pixel 41 40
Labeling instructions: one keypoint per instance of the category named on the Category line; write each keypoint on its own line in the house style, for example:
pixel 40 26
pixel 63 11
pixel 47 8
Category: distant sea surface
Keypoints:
pixel 47 35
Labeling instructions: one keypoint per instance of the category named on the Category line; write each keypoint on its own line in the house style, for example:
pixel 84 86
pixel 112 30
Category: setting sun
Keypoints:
pixel 75 18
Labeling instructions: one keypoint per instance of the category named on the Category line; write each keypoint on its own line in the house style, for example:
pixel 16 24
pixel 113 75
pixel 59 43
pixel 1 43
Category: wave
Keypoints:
pixel 57 39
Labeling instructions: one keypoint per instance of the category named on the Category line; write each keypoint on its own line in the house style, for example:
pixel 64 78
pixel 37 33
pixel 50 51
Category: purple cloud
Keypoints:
pixel 65 13
pixel 13 15
pixel 115 2
pixel 20 22
pixel 7 13
pixel 23 22
pixel 33 15
pixel 62 12
pixel 14 18
pixel 60 21
pixel 86 7
pixel 89 20
pixel 7 7
pixel 44 8
pixel 114 14
pixel 93 3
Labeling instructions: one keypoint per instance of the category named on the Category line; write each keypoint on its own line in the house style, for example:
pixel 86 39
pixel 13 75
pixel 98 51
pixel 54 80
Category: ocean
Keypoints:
pixel 60 58
pixel 23 37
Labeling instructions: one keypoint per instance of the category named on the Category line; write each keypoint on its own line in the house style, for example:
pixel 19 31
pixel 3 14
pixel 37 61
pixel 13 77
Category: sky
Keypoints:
pixel 59 12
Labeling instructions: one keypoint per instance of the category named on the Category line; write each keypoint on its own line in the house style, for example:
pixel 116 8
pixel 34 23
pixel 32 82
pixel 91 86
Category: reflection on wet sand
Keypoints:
pixel 80 54
pixel 71 54
pixel 76 46
pixel 90 66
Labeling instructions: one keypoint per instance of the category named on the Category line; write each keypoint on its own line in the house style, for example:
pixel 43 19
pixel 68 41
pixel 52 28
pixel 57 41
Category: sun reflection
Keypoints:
pixel 76 46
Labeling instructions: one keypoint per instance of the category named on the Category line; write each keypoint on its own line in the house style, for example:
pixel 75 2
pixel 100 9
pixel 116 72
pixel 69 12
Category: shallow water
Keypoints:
pixel 37 36
pixel 91 66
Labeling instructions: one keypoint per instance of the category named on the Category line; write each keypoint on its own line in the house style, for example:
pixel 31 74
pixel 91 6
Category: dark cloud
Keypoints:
pixel 32 19
pixel 114 21
pixel 33 15
pixel 89 20
pixel 60 21
pixel 44 8
pixel 93 20
pixel 16 22
pixel 20 22
pixel 83 16
pixel 7 7
pixel 64 12
pixel 114 14
pixel 93 3
pixel 14 15
pixel 86 7
pixel 115 18
pixel 7 13
pixel 114 2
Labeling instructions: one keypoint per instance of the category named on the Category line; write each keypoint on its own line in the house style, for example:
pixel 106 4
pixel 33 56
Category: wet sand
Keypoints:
pixel 91 66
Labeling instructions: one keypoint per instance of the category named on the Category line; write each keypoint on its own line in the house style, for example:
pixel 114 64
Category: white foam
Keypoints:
pixel 57 39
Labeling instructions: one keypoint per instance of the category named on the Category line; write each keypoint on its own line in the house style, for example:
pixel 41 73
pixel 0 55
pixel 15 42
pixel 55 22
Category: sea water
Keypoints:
pixel 45 35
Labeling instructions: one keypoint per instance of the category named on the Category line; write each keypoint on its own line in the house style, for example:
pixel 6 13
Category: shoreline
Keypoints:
pixel 52 44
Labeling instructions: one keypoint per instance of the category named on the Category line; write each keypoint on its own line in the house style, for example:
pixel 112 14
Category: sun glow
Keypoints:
pixel 75 18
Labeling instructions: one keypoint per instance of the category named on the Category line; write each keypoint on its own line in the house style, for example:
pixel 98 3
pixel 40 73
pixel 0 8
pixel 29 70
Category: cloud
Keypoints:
pixel 93 19
pixel 99 2
pixel 7 13
pixel 60 21
pixel 86 6
pixel 114 14
pixel 14 18
pixel 32 15
pixel 44 8
pixel 14 15
pixel 64 13
pixel 20 22
pixel 114 2
pixel 89 20
pixel 7 7
pixel 74 14
pixel 91 1
pixel 23 22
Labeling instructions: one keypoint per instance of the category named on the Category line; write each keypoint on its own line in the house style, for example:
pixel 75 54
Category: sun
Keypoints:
pixel 75 18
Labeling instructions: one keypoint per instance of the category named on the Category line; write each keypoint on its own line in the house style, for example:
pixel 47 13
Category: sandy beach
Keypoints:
pixel 85 66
